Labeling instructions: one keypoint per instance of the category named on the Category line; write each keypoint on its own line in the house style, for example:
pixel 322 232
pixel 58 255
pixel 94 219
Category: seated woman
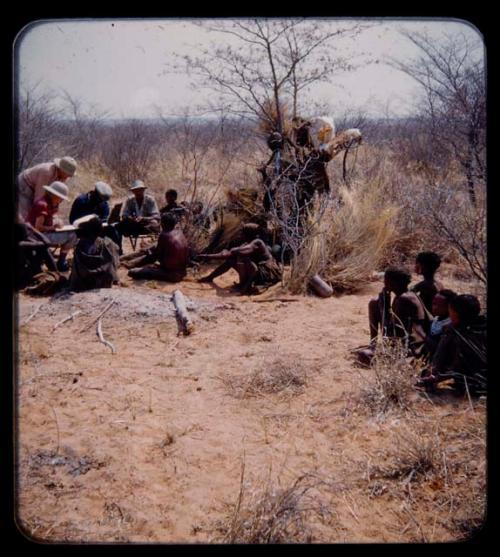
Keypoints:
pixel 95 258
pixel 253 261
pixel 42 217
pixel 461 352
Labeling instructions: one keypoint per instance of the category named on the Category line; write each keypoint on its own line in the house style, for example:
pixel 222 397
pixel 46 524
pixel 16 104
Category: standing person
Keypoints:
pixel 41 217
pixel 139 214
pixel 426 264
pixel 171 254
pixel 30 182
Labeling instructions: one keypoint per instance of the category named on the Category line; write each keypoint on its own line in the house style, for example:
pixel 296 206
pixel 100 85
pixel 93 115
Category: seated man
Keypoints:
pixel 426 264
pixel 41 217
pixel 139 213
pixel 96 202
pixel 171 253
pixel 93 202
pixel 253 261
pixel 461 352
pixel 405 318
pixel 32 252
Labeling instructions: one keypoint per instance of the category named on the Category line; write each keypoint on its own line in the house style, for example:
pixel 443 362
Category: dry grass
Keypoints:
pixel 273 514
pixel 277 377
pixel 393 378
pixel 348 242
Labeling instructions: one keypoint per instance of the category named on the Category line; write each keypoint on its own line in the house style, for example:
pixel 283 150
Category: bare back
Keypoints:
pixel 173 250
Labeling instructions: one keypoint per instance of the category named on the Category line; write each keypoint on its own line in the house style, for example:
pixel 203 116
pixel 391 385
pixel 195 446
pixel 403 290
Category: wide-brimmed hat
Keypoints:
pixel 137 185
pixel 104 190
pixel 59 189
pixel 66 164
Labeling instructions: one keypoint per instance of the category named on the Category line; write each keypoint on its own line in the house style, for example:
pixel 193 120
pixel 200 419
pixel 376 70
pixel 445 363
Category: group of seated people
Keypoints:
pixel 446 330
pixel 96 239
pixel 443 328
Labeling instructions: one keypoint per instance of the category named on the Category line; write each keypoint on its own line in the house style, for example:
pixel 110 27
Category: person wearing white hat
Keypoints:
pixel 140 213
pixel 30 182
pixel 41 217
pixel 93 202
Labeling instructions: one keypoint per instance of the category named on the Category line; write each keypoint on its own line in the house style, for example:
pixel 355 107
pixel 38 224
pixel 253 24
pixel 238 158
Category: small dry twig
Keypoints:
pixel 84 328
pixel 70 317
pixel 33 314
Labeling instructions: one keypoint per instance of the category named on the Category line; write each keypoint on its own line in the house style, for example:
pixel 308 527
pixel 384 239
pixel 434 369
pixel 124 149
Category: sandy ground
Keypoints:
pixel 147 444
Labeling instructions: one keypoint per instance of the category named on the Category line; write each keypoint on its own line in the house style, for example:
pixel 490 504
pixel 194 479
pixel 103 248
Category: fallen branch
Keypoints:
pixel 184 322
pixel 97 318
pixel 33 314
pixel 74 314
pixel 101 337
pixel 275 300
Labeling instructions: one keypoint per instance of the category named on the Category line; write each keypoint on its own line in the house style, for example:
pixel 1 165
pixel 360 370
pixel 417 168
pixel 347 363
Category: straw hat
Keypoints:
pixel 103 189
pixel 138 185
pixel 59 189
pixel 67 165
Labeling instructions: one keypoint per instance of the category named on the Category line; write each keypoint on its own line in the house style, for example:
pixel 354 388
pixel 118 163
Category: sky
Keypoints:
pixel 120 66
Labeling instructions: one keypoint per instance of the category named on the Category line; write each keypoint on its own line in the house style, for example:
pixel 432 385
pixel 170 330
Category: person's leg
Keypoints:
pixel 374 318
pixel 220 270
pixel 247 270
pixel 155 272
pixel 140 261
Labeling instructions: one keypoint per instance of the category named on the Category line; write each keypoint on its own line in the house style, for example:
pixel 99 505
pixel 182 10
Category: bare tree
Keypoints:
pixel 38 126
pixel 272 62
pixel 451 74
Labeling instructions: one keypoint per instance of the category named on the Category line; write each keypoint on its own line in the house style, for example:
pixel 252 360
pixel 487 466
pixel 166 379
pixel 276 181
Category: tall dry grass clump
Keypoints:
pixel 348 241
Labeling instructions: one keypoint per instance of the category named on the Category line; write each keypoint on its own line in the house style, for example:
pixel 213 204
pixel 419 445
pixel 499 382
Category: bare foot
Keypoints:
pixel 205 279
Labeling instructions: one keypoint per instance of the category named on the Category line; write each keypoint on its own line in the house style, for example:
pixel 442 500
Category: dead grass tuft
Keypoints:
pixel 393 377
pixel 274 514
pixel 278 377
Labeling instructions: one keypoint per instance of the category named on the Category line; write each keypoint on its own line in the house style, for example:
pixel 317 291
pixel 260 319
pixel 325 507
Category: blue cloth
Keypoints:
pixel 86 204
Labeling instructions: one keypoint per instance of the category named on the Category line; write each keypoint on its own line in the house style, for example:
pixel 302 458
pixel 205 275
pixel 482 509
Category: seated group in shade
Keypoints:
pixel 443 328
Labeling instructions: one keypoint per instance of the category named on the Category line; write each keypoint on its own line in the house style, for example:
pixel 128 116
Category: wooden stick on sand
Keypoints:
pixel 97 318
pixel 183 320
pixel 74 314
pixel 101 337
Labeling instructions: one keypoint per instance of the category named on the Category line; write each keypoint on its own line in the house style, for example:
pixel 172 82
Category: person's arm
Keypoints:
pixel 103 211
pixel 224 254
pixel 126 211
pixel 249 249
pixel 39 224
